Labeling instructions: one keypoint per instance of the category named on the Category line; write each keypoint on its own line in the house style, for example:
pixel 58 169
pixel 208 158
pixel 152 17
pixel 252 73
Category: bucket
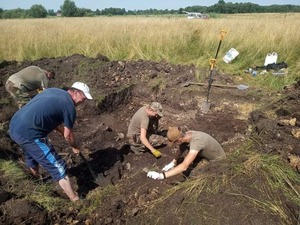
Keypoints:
pixel 271 58
pixel 230 55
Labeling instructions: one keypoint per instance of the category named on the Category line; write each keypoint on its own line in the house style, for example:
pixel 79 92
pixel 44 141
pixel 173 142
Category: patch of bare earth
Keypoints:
pixel 120 88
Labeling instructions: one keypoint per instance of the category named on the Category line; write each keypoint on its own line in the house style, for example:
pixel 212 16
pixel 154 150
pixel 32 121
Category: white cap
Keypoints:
pixel 84 88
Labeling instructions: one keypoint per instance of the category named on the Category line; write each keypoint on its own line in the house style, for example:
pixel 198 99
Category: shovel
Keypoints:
pixel 206 105
pixel 96 179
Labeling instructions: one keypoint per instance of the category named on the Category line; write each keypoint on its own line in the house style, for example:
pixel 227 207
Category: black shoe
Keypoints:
pixel 137 150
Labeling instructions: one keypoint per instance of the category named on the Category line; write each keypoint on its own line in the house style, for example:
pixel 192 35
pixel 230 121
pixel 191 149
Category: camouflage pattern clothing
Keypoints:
pixel 20 95
pixel 20 84
pixel 141 120
pixel 137 146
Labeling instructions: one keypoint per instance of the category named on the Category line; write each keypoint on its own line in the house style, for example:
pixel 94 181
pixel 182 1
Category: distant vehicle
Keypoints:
pixel 196 15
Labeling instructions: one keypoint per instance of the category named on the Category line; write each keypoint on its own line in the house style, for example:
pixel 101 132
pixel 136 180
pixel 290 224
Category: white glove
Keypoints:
pixel 169 166
pixel 155 175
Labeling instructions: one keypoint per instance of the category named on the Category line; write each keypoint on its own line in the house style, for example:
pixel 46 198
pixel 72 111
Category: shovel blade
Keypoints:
pixel 205 107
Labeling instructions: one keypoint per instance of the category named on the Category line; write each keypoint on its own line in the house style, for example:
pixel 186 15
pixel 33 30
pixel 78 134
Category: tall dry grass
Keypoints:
pixel 177 40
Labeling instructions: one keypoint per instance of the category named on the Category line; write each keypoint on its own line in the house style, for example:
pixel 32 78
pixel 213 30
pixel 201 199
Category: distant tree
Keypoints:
pixel 37 11
pixel 173 11
pixel 219 7
pixel 113 11
pixel 68 9
pixel 131 12
pixel 51 12
pixel 81 12
pixel 201 9
pixel 249 8
pixel 97 12
pixel 121 11
pixel 230 8
pixel 282 8
pixel 14 13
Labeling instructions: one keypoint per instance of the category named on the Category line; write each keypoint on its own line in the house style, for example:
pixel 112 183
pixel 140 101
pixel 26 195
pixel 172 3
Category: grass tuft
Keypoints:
pixel 11 170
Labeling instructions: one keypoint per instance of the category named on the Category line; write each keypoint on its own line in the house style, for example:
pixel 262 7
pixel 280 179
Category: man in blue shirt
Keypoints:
pixel 30 126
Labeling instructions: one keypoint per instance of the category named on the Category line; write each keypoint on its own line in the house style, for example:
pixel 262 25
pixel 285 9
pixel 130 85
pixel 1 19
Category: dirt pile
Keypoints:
pixel 119 89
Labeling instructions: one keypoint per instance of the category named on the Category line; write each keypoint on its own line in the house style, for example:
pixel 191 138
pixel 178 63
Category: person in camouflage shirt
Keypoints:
pixel 27 83
pixel 143 131
pixel 198 144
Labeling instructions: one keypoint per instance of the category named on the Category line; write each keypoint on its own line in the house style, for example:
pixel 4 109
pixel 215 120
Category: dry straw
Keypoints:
pixel 175 39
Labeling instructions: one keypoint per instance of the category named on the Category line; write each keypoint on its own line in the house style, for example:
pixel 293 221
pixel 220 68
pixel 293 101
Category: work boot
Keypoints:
pixel 137 150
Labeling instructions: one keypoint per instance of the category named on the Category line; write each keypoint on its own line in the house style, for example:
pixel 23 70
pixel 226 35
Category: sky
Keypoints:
pixel 130 4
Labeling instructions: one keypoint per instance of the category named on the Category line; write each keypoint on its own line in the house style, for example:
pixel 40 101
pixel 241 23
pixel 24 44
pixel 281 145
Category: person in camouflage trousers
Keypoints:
pixel 143 131
pixel 27 83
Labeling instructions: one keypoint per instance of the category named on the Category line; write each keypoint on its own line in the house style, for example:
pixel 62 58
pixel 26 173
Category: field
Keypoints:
pixel 131 61
pixel 176 40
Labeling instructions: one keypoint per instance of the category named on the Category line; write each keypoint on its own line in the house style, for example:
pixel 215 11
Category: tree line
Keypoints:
pixel 69 9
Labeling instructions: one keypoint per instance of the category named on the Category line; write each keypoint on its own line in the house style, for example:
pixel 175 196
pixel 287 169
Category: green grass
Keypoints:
pixel 98 196
pixel 11 171
pixel 17 182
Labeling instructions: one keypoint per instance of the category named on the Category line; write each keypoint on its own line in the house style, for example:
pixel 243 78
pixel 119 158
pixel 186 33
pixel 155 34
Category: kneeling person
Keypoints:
pixel 200 143
pixel 143 128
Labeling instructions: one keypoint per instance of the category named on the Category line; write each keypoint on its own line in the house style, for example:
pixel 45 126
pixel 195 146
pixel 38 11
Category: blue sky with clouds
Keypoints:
pixel 130 4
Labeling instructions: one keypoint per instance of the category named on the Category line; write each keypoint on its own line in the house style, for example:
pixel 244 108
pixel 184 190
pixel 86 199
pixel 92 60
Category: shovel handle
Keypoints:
pixel 222 34
pixel 82 157
pixel 212 63
pixel 88 165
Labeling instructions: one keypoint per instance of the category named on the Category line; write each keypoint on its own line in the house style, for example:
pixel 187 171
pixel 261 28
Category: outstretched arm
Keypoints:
pixel 183 147
pixel 184 165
